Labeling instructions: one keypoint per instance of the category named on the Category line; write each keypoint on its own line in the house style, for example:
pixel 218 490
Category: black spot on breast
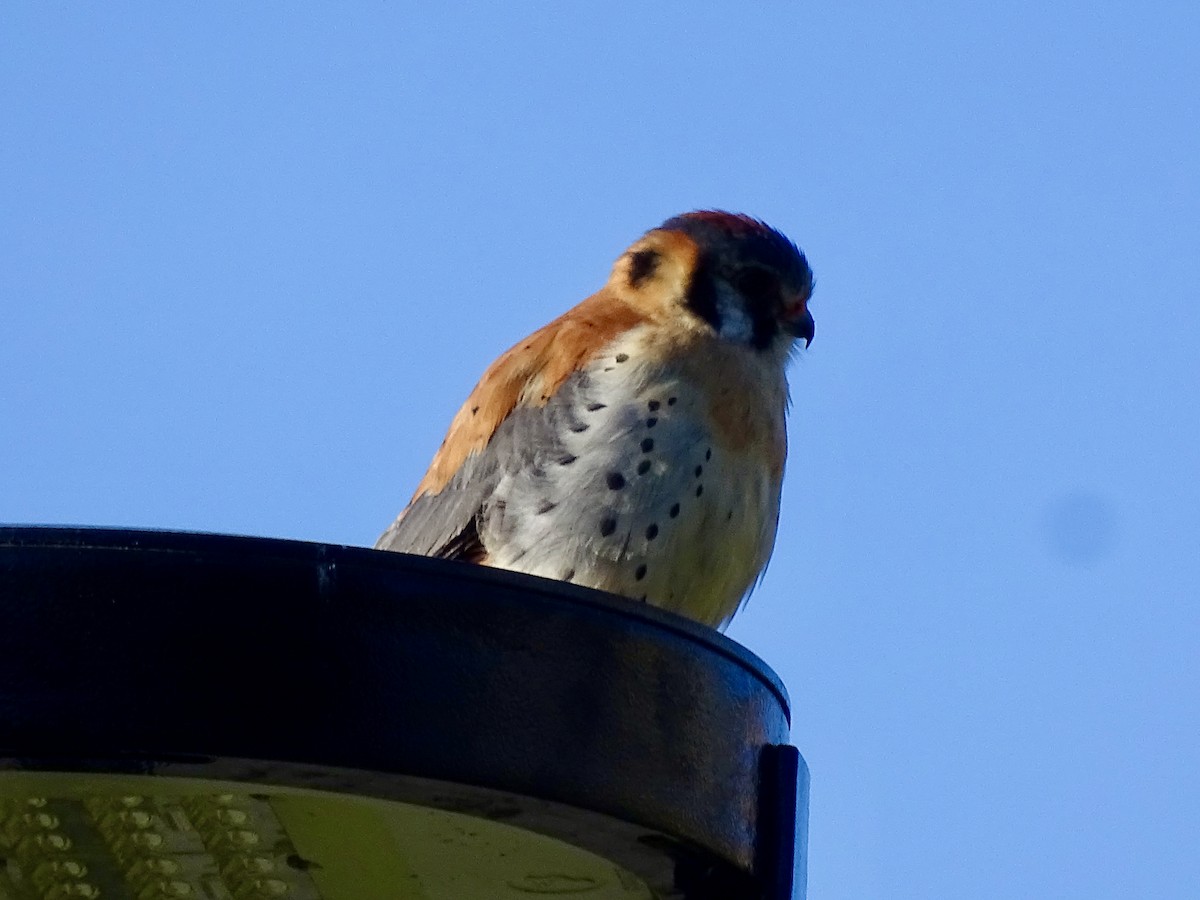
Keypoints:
pixel 729 516
pixel 674 510
pixel 640 572
pixel 652 421
pixel 567 460
pixel 580 427
pixel 607 526
pixel 643 467
pixel 592 407
pixel 647 444
pixel 708 454
pixel 474 410
pixel 651 532
pixel 699 489
pixel 621 357
pixel 671 401
pixel 545 506
pixel 699 471
pixel 615 481
pixel 653 405
pixel 642 265
pixel 568 575
pixel 642 598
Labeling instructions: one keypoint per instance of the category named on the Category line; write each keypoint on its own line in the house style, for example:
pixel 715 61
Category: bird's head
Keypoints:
pixel 726 272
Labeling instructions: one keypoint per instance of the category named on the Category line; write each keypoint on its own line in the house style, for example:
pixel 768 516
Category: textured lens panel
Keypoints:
pixel 126 837
pixel 205 846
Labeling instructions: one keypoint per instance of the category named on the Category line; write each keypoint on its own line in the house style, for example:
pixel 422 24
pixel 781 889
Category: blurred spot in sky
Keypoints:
pixel 1081 527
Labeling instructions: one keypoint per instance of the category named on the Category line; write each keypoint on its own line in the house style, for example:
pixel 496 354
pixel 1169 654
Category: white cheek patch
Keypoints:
pixel 736 325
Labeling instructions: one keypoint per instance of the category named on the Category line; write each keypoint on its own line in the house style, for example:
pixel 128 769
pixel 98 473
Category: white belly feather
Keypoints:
pixel 646 501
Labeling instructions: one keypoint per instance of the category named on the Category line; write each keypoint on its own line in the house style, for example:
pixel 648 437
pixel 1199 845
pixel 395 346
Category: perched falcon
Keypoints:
pixel 635 444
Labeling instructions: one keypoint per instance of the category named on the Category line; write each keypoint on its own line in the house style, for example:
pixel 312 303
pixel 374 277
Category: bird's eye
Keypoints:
pixel 757 284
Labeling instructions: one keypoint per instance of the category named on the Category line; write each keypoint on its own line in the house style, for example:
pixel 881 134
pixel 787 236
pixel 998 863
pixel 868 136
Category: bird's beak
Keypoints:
pixel 799 323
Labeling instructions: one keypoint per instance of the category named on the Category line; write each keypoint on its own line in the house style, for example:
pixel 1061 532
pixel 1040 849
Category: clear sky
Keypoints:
pixel 253 256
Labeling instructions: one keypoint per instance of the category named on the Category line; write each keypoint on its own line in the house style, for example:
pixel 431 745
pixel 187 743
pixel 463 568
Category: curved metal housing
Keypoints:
pixel 630 732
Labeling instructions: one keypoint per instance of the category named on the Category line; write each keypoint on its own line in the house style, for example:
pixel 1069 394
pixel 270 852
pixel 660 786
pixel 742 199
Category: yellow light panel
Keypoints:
pixel 129 837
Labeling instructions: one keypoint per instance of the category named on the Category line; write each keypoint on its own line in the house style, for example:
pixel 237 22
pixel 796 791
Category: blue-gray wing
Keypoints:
pixel 528 442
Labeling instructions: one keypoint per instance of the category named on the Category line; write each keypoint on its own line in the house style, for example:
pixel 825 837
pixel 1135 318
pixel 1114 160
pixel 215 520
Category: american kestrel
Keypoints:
pixel 635 444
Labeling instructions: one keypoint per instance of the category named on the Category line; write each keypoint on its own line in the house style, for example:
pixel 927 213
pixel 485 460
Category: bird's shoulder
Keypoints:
pixel 527 375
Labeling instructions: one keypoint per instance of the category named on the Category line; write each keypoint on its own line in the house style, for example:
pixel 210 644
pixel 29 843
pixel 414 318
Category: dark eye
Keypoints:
pixel 757 284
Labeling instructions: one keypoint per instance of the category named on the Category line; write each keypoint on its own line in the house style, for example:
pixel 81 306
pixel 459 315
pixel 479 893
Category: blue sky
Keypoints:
pixel 253 256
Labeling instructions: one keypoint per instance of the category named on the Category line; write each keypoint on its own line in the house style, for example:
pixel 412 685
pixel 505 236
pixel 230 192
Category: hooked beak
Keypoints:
pixel 801 326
